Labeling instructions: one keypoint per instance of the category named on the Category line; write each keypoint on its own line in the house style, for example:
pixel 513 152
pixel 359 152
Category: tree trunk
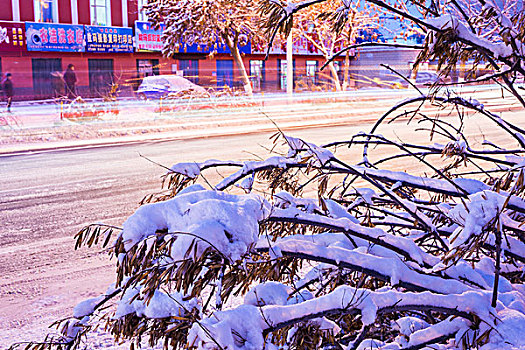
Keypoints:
pixel 234 49
pixel 346 76
pixel 335 77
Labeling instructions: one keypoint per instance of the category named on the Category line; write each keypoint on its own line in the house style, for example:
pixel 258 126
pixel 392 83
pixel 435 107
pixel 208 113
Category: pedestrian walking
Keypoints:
pixel 7 86
pixel 70 78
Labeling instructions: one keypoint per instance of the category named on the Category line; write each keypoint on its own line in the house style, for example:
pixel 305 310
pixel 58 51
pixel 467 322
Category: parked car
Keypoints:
pixel 422 79
pixel 158 86
pixel 426 78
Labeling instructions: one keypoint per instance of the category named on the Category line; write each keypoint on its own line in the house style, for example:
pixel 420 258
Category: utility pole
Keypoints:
pixel 289 65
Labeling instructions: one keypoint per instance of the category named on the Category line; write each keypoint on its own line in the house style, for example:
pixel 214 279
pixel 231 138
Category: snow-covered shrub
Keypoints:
pixel 319 251
pixel 338 245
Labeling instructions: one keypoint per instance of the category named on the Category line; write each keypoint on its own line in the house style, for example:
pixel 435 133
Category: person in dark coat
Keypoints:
pixel 70 78
pixel 7 86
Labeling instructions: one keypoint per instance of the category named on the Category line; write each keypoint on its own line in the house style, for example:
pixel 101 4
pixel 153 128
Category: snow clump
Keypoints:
pixel 227 222
pixel 160 305
pixel 472 216
pixel 268 293
pixel 237 329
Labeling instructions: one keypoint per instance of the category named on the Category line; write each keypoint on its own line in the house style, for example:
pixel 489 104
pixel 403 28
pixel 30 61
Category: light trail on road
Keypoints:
pixel 35 115
pixel 138 123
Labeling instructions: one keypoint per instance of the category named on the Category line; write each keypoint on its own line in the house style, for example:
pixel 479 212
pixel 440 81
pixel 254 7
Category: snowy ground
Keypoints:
pixel 47 197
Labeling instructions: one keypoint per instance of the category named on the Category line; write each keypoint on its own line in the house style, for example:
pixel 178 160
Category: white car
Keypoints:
pixel 158 86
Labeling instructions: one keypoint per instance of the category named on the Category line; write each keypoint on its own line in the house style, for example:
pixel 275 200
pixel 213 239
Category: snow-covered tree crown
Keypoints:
pixel 488 34
pixel 203 22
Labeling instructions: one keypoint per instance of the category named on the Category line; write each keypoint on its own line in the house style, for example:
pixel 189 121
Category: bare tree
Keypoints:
pixel 322 26
pixel 488 34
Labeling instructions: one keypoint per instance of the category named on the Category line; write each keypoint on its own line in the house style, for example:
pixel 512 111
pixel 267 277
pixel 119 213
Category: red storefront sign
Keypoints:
pixel 12 36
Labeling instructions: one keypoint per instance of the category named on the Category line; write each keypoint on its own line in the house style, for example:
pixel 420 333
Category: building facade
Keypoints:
pixel 368 71
pixel 110 41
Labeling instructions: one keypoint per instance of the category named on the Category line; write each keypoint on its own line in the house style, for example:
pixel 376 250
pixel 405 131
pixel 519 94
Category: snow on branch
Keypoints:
pixel 244 326
pixel 227 223
pixel 497 49
pixel 326 249
pixel 372 239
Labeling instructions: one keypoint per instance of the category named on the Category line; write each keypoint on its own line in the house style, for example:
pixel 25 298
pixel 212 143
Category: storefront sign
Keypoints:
pixel 301 46
pixel 108 39
pixel 218 48
pixel 12 36
pixel 147 38
pixel 54 37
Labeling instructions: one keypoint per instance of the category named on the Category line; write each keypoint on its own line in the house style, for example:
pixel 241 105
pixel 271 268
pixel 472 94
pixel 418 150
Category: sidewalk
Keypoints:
pixel 42 130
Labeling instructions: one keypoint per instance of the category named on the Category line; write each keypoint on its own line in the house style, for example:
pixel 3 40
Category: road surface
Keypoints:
pixel 45 198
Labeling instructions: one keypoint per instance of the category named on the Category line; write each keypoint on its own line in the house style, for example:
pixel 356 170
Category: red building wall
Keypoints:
pixel 21 69
pixel 83 12
pixel 132 12
pixel 207 72
pixel 27 11
pixel 6 11
pixel 116 13
pixel 165 65
pixel 64 11
pixel 270 68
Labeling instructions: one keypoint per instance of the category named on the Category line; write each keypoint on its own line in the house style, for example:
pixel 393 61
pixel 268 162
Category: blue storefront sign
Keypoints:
pixel 54 37
pixel 149 39
pixel 245 49
pixel 108 39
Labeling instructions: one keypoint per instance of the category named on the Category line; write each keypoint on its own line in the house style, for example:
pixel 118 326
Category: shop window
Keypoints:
pixel 147 68
pixel 311 72
pixel 43 71
pixel 100 76
pixel 339 69
pixel 100 12
pixel 257 74
pixel 225 73
pixel 46 11
pixel 282 70
pixel 190 69
pixel 142 14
